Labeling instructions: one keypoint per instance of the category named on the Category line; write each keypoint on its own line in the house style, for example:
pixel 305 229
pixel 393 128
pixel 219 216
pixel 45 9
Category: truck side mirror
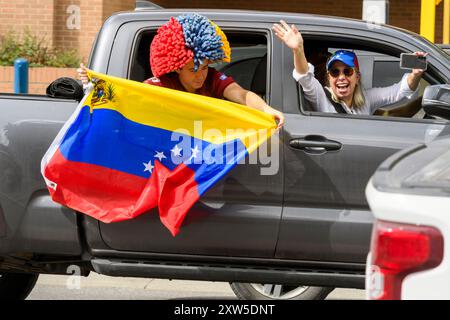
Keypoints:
pixel 436 100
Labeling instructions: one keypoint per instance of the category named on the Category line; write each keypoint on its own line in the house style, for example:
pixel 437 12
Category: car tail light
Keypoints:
pixel 398 250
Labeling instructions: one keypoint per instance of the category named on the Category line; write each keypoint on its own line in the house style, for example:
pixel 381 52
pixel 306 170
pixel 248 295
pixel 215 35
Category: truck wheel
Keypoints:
pixel 256 291
pixel 16 286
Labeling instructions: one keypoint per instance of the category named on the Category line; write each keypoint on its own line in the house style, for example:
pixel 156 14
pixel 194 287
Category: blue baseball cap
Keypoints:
pixel 347 57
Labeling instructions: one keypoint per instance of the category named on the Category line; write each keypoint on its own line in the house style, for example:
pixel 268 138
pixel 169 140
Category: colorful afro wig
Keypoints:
pixel 187 37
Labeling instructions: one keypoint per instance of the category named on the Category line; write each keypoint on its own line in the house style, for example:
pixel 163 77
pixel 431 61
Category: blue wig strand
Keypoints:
pixel 200 36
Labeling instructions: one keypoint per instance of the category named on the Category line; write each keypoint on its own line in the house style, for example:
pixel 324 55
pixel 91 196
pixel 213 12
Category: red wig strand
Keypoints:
pixel 168 50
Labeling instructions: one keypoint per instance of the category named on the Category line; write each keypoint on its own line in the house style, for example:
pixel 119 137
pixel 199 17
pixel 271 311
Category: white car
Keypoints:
pixel 409 196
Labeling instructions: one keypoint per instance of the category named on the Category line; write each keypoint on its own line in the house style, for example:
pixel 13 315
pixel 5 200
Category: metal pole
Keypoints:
pixel 21 75
pixel 427 19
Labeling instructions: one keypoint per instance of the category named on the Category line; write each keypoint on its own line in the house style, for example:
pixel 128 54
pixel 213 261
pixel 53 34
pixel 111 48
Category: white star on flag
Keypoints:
pixel 160 155
pixel 195 152
pixel 148 166
pixel 176 151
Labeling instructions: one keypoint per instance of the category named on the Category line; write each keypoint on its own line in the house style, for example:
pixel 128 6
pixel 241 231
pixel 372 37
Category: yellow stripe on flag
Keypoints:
pixel 173 110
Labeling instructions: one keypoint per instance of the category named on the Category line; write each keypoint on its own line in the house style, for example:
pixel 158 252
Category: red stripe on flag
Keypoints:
pixel 105 194
pixel 178 194
pixel 110 195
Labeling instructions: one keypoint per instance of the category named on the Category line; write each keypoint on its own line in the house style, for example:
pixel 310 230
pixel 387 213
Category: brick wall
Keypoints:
pixel 38 78
pixel 111 6
pixel 348 8
pixel 36 15
pixel 406 14
pixel 91 22
pixel 48 19
pixel 439 23
pixel 93 14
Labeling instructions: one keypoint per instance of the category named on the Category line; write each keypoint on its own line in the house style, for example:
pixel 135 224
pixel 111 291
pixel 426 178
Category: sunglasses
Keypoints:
pixel 348 72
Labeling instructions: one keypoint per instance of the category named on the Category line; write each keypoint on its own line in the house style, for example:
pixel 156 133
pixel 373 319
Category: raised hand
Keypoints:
pixel 418 72
pixel 288 34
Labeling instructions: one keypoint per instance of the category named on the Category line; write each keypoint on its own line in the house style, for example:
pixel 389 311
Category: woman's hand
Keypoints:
pixel 289 35
pixel 279 117
pixel 235 93
pixel 82 74
pixel 416 74
pixel 419 72
pixel 293 39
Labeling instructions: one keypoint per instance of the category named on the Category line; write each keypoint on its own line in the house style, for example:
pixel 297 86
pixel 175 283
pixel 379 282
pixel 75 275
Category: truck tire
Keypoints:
pixel 16 286
pixel 256 291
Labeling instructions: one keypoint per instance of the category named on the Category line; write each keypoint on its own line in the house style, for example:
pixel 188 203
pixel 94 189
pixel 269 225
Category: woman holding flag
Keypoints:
pixel 180 55
pixel 122 153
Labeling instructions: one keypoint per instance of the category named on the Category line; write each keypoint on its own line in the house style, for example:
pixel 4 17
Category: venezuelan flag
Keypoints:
pixel 130 147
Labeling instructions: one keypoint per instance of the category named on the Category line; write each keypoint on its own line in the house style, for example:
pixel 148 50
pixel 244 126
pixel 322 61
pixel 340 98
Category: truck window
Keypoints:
pixel 248 65
pixel 140 63
pixel 377 70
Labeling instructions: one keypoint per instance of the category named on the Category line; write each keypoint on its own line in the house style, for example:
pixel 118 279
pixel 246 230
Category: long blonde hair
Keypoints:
pixel 358 96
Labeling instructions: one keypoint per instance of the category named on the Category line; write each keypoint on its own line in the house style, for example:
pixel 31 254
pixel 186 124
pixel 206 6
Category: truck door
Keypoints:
pixel 328 161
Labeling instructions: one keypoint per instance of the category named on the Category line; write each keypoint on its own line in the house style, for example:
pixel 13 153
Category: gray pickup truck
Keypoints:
pixel 295 234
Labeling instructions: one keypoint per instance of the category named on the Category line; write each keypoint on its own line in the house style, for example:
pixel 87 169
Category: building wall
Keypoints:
pixel 49 20
pixel 403 13
pixel 36 15
pixel 406 14
pixel 92 15
pixel 348 8
pixel 38 78
pixel 111 6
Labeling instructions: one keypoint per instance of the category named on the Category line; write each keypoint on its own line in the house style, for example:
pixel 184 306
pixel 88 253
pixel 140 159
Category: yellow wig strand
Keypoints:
pixel 226 45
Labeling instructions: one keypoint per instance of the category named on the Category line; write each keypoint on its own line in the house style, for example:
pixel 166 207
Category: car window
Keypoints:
pixel 140 61
pixel 243 66
pixel 386 73
pixel 248 65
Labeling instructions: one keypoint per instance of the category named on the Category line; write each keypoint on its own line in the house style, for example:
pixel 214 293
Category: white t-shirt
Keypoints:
pixel 374 97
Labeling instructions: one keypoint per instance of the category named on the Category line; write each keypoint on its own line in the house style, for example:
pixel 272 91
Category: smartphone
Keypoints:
pixel 411 61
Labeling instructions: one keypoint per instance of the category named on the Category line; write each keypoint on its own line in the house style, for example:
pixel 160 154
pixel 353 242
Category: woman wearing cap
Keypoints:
pixel 180 55
pixel 345 93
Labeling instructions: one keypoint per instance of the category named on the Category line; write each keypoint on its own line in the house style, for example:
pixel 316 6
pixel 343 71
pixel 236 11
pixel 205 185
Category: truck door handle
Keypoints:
pixel 315 144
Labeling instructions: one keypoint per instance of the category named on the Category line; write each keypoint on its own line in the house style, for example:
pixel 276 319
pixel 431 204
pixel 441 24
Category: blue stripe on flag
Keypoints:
pixel 108 139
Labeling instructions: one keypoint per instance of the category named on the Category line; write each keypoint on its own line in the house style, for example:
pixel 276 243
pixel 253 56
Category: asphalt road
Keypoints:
pixel 98 287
